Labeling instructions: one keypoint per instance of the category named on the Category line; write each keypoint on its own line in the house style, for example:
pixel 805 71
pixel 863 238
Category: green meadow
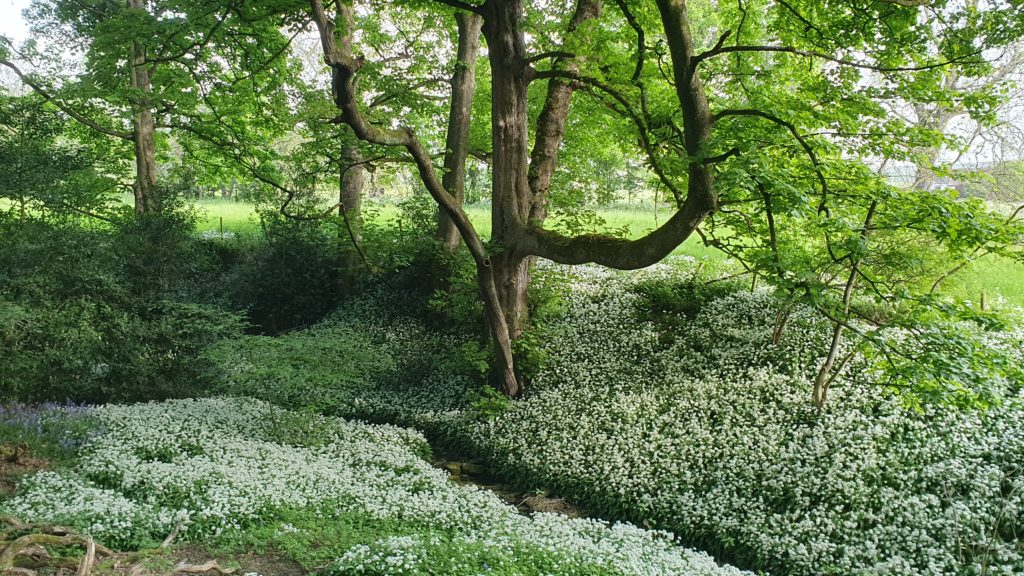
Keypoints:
pixel 992 278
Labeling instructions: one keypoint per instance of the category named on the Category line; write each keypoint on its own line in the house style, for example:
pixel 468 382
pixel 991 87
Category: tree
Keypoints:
pixel 733 85
pixel 148 65
pixel 463 84
pixel 46 164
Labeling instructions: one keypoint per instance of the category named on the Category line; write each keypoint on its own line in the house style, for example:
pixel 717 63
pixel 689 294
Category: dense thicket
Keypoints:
pixel 111 313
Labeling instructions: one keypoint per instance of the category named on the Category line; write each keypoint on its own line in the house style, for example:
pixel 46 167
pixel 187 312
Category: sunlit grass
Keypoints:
pixel 990 278
pixel 994 276
pixel 228 216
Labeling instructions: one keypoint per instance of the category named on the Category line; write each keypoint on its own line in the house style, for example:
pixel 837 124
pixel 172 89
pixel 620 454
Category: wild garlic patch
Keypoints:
pixel 220 465
pixel 693 421
pixel 712 436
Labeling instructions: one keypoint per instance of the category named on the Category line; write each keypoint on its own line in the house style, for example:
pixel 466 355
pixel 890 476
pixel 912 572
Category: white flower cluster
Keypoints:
pixel 548 544
pixel 221 464
pixel 714 438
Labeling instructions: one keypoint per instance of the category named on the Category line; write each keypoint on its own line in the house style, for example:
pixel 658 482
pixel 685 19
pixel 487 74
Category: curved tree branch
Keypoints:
pixel 337 54
pixel 814 54
pixel 701 199
pixel 822 206
pixel 81 118
pixel 625 107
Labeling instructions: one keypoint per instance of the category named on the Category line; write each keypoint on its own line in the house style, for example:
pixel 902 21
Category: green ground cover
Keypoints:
pixel 655 398
pixel 678 413
pixel 339 497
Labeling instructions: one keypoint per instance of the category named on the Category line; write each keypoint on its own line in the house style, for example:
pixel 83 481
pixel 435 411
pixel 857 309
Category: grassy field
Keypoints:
pixel 240 218
pixel 994 276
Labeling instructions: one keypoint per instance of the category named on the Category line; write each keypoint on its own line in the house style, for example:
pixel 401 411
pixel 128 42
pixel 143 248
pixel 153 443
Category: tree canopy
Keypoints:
pixel 768 125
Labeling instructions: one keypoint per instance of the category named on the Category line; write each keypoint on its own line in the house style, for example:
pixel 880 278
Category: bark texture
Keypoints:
pixel 352 179
pixel 344 68
pixel 459 119
pixel 147 195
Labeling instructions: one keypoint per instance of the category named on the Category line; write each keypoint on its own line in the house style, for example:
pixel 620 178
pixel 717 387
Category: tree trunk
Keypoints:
pixel 147 197
pixel 510 189
pixel 519 191
pixel 352 179
pixel 459 118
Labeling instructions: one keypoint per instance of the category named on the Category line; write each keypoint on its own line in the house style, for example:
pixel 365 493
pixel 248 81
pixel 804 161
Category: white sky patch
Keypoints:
pixel 12 24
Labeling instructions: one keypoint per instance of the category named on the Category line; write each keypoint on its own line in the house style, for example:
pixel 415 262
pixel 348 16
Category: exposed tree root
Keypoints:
pixel 24 554
pixel 170 537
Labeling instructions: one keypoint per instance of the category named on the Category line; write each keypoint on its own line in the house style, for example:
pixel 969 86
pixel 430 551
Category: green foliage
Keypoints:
pixel 439 285
pixel 455 303
pixel 159 256
pixel 83 317
pixel 665 298
pixel 49 164
pixel 289 278
pixel 487 403
pixel 951 354
pixel 327 370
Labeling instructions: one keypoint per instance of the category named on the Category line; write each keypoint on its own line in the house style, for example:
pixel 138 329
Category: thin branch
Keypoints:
pixel 974 255
pixel 722 157
pixel 641 43
pixel 813 54
pixel 64 107
pixel 266 64
pixel 627 109
pixel 194 48
pixel 908 3
pixel 822 206
pixel 391 96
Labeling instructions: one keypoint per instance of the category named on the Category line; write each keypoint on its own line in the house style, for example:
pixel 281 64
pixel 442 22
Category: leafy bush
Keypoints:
pixel 215 466
pixel 369 360
pixel 159 257
pixel 289 278
pixel 84 318
pixel 327 370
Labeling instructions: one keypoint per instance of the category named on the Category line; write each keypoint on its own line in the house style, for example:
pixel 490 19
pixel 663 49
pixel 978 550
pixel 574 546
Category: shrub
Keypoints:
pixel 367 360
pixel 83 318
pixel 328 370
pixel 289 278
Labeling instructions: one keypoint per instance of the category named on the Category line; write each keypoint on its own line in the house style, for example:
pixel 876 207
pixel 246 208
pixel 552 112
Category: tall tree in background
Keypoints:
pixel 48 164
pixel 151 64
pixel 460 117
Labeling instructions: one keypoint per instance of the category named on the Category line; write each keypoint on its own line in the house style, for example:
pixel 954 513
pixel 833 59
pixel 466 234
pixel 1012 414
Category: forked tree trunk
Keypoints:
pixel 459 118
pixel 519 189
